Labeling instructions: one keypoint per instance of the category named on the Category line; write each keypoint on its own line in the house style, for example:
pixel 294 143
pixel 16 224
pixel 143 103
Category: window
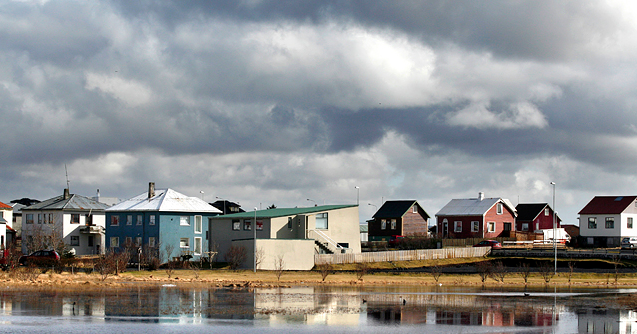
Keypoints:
pixel 592 223
pixel 151 241
pixel 546 211
pixel 393 224
pixel 629 223
pixel 129 242
pixel 29 218
pixel 114 220
pixel 88 218
pixel 138 241
pixel 140 219
pixel 114 242
pixel 197 246
pixel 457 226
pixel 525 226
pixel 610 222
pixel 321 221
pixel 414 209
pixel 152 220
pixel 383 224
pixel 499 208
pixel 75 240
pixel 75 218
pixel 506 226
pixel 247 225
pixel 491 227
pixel 50 220
pixel 236 225
pixel 184 243
pixel 198 226
pixel 259 225
pixel 39 218
pixel 129 220
pixel 184 221
pixel 289 222
pixel 475 226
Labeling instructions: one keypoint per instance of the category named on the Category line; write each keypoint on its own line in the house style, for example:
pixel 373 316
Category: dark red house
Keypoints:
pixel 404 218
pixel 476 218
pixel 535 216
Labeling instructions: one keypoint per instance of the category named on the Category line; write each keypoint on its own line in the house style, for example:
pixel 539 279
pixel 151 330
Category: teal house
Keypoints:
pixel 163 221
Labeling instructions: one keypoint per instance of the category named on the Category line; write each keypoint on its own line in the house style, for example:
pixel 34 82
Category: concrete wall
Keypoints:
pixel 296 254
pixel 343 227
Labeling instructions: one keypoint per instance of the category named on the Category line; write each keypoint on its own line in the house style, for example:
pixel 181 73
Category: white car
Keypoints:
pixel 629 243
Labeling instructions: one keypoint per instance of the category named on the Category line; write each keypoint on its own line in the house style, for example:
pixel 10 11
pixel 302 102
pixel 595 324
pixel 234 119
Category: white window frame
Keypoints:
pixel 151 220
pixel 198 224
pixel 184 243
pixel 138 241
pixel 323 217
pixel 114 220
pixel 247 225
pixel 592 223
pixel 75 240
pixel 236 225
pixel 198 246
pixel 499 209
pixel 393 224
pixel 629 222
pixel 546 211
pixel 129 220
pixel 414 209
pixel 75 215
pixel 383 224
pixel 151 242
pixel 39 218
pixel 475 226
pixel 611 220
pixel 114 242
pixel 525 226
pixel 457 226
pixel 140 220
pixel 491 227
pixel 29 218
pixel 184 220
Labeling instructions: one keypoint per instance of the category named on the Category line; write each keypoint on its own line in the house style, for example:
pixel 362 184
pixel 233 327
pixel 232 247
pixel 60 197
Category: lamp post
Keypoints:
pixel 554 231
pixel 254 228
pixel 374 205
pixel 311 200
pixel 358 192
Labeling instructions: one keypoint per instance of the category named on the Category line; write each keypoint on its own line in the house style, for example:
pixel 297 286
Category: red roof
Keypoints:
pixel 4 206
pixel 607 205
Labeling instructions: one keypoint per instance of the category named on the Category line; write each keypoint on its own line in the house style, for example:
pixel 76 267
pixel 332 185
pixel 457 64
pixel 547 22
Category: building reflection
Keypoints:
pixel 602 320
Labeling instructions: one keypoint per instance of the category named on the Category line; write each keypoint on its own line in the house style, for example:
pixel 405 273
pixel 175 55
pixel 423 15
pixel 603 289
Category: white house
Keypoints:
pixel 76 220
pixel 605 220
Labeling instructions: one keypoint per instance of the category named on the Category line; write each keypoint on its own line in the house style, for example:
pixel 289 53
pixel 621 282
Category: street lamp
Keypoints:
pixel 554 231
pixel 254 228
pixel 358 192
pixel 375 207
pixel 311 200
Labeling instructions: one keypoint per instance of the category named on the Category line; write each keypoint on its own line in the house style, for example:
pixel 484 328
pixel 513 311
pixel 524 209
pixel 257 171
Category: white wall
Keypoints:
pixel 296 254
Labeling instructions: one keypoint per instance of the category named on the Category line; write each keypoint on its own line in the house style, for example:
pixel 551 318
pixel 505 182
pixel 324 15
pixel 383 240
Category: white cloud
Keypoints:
pixel 129 91
pixel 518 116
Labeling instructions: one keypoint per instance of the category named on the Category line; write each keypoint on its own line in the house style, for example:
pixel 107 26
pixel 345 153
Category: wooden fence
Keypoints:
pixel 403 255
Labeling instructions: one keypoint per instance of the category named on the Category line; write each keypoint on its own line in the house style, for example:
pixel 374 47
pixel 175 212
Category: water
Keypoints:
pixel 321 309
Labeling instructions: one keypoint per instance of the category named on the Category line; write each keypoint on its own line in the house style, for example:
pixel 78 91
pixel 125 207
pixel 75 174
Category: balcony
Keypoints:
pixel 92 229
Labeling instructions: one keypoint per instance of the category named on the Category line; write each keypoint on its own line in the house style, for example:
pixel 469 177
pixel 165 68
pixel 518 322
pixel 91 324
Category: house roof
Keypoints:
pixel 364 228
pixel 396 209
pixel 607 205
pixel 473 206
pixel 5 206
pixel 73 203
pixel 165 200
pixel 282 212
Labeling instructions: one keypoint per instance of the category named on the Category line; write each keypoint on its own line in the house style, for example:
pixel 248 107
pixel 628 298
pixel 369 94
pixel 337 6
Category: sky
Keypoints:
pixel 294 103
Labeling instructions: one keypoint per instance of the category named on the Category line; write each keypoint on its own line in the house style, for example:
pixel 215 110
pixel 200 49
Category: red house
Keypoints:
pixel 476 218
pixel 535 216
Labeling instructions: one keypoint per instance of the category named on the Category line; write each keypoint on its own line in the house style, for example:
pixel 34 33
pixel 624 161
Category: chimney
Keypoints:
pixel 151 190
pixel 98 195
pixel 66 193
pixel 480 196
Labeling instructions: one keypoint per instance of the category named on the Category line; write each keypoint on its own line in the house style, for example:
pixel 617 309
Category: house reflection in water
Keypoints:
pixel 604 320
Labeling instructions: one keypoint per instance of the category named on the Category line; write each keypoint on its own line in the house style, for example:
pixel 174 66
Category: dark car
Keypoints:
pixel 488 243
pixel 394 240
pixel 41 257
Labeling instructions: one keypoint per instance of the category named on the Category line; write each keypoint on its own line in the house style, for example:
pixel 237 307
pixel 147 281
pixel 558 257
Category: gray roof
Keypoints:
pixel 72 203
pixel 473 206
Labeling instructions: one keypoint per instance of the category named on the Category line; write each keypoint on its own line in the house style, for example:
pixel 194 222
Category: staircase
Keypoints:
pixel 325 243
pixel 323 246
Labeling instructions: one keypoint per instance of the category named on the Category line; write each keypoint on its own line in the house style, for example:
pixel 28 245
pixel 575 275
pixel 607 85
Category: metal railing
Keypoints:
pixel 324 238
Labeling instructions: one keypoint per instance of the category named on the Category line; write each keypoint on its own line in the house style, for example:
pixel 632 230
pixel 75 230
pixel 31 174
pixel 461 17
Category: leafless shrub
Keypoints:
pixel 362 269
pixel 546 271
pixel 105 265
pixel 11 256
pixel 195 267
pixel 259 255
pixel 279 267
pixel 525 271
pixel 121 260
pixel 325 269
pixel 236 256
pixel 170 265
pixel 498 272
pixel 571 269
pixel 484 270
pixel 25 273
pixel 616 263
pixel 151 258
pixel 45 236
pixel 436 272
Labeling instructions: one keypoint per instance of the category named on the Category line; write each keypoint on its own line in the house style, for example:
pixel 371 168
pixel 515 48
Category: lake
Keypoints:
pixel 314 309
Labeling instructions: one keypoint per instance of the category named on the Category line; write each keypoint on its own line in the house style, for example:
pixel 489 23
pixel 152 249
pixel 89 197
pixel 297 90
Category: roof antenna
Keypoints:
pixel 67 178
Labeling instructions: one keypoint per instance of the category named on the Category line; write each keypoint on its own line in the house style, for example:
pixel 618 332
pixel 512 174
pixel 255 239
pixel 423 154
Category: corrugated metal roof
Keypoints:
pixel 607 205
pixel 282 212
pixel 165 200
pixel 472 206
pixel 74 203
pixel 5 206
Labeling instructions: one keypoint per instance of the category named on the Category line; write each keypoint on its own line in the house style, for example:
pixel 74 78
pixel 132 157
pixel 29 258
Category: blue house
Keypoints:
pixel 160 220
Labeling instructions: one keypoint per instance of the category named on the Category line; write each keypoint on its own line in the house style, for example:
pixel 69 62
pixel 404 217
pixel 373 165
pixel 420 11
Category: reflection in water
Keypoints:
pixel 325 306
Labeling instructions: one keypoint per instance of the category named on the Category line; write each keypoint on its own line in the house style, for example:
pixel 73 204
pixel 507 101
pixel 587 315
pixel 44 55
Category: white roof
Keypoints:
pixel 166 200
pixel 472 206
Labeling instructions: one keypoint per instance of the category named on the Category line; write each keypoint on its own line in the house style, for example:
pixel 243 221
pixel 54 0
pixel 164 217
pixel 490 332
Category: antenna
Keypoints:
pixel 67 178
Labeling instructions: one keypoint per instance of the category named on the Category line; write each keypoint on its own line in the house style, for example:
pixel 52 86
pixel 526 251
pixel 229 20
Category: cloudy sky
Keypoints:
pixel 277 102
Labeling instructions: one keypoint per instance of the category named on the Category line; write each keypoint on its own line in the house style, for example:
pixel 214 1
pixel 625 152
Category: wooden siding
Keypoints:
pixel 404 255
pixel 546 222
pixel 414 223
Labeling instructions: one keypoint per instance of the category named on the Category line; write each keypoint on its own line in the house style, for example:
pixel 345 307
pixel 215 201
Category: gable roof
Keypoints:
pixel 282 212
pixel 530 211
pixel 73 203
pixel 165 200
pixel 396 209
pixel 5 206
pixel 607 205
pixel 473 206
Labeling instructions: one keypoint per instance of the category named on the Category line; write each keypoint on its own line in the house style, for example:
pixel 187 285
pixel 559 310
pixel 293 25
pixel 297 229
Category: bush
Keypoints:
pixel 236 256
pixel 417 242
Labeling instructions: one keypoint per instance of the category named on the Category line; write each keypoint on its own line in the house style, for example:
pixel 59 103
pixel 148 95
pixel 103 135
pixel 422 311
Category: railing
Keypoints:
pixel 92 229
pixel 322 237
pixel 404 255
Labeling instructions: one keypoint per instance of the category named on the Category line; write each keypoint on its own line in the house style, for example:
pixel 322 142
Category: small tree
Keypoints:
pixel 324 269
pixel 525 271
pixel 547 271
pixel 436 272
pixel 259 255
pixel 498 272
pixel 279 266
pixel 571 269
pixel 236 256
pixel 170 265
pixel 362 269
pixel 106 265
pixel 484 270
pixel 616 263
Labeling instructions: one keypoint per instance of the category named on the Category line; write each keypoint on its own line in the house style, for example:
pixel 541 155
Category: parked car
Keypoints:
pixel 41 257
pixel 488 243
pixel 394 240
pixel 629 243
